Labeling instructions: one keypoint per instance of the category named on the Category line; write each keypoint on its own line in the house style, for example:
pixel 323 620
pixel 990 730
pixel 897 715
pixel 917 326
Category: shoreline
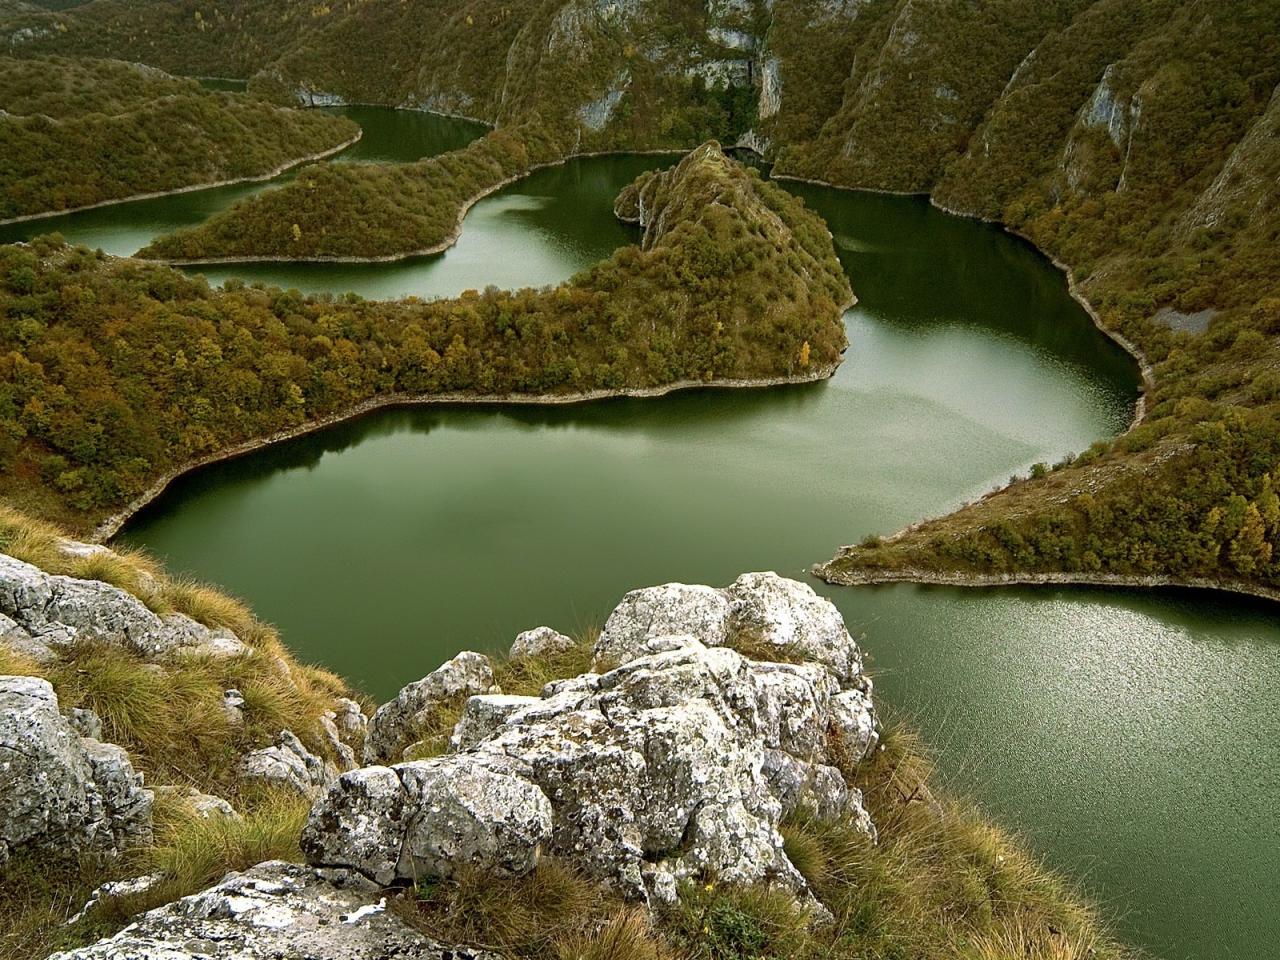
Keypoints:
pixel 112 524
pixel 193 188
pixel 451 240
pixel 868 577
pixel 1145 369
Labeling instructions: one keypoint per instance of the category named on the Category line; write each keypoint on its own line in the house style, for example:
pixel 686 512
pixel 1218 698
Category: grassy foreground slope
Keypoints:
pixel 940 880
pixel 115 373
pixel 79 132
pixel 169 715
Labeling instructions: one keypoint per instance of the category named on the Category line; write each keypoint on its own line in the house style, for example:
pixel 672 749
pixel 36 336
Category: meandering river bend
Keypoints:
pixel 1133 737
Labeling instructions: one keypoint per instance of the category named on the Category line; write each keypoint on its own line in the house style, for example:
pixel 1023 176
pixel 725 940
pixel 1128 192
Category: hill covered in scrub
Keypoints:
pixel 115 373
pixel 76 132
pixel 707 777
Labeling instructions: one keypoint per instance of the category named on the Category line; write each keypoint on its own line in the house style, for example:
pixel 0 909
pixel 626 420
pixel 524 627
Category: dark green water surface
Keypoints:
pixel 1134 738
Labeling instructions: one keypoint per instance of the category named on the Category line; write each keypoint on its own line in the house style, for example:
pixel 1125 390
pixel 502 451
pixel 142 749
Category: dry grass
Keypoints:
pixel 210 607
pixel 517 676
pixel 526 676
pixel 626 935
pixel 171 718
pixel 39 895
pixel 533 916
pixel 15 664
pixel 41 544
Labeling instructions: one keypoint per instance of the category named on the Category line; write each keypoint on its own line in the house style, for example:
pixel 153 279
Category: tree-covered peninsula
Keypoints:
pixel 363 211
pixel 77 132
pixel 115 373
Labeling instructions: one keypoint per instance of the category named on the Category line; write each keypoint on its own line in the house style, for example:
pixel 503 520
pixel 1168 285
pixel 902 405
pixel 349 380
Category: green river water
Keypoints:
pixel 1134 738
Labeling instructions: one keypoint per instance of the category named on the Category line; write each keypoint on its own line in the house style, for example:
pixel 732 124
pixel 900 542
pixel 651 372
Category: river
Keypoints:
pixel 1134 738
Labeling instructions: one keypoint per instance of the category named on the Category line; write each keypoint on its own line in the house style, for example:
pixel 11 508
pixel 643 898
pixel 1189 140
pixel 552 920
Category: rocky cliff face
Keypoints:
pixel 677 759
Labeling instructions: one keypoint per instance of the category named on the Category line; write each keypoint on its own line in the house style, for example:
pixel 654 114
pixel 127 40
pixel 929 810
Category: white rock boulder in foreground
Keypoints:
pixel 275 910
pixel 59 791
pixel 678 760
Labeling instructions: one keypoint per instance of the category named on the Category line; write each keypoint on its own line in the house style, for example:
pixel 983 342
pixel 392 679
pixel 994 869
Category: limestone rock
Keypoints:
pixel 670 609
pixel 759 612
pixel 203 805
pixel 233 704
pixel 540 642
pixel 274 911
pixel 444 814
pixel 395 725
pixel 85 722
pixel 115 890
pixel 678 763
pixel 287 764
pixel 483 715
pixel 59 791
pixel 787 615
pixel 349 825
pixel 56 611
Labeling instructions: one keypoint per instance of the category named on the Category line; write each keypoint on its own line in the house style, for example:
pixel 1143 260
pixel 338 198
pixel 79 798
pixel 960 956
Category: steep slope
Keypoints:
pixel 1138 146
pixel 75 133
pixel 1133 140
pixel 710 772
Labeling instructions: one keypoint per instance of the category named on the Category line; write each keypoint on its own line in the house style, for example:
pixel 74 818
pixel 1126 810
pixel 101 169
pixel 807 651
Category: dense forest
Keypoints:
pixel 1138 145
pixel 79 132
pixel 114 372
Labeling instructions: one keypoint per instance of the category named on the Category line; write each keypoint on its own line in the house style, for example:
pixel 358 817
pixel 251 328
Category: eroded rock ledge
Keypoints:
pixel 676 757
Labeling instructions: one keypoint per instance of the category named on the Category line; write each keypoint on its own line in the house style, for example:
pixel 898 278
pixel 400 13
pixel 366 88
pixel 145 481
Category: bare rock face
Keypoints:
pixel 287 764
pixel 759 611
pixel 673 608
pixel 681 760
pixel 444 814
pixel 43 610
pixel 275 911
pixel 61 792
pixel 540 642
pixel 395 725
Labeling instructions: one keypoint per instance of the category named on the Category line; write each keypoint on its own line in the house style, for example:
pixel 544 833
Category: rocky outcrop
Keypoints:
pixel 61 792
pixel 288 765
pixel 275 910
pixel 679 759
pixel 761 612
pixel 396 725
pixel 540 642
pixel 42 612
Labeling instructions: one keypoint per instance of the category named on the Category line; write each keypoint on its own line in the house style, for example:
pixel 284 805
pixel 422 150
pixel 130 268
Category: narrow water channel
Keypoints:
pixel 1135 738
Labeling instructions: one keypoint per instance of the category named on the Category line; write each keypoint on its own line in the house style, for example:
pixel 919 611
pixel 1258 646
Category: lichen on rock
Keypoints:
pixel 60 791
pixel 678 760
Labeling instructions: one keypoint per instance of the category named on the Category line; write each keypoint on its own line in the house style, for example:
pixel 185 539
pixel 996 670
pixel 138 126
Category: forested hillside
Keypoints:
pixel 115 372
pixel 79 132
